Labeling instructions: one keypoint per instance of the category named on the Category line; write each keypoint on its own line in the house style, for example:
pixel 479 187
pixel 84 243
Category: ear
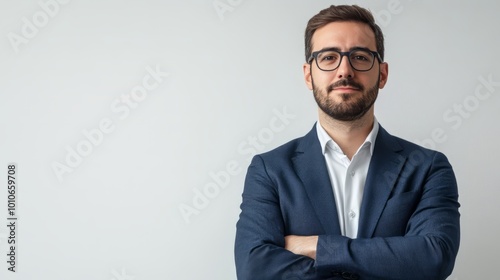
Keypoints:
pixel 384 73
pixel 307 75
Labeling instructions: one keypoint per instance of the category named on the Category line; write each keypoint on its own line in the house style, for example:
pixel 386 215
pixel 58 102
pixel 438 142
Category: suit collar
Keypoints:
pixel 325 139
pixel 385 166
pixel 310 166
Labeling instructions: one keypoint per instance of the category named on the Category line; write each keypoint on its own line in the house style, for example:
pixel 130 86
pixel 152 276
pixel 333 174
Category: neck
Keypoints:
pixel 349 135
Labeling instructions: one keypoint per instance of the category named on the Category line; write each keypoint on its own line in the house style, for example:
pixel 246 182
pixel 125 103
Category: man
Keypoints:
pixel 348 200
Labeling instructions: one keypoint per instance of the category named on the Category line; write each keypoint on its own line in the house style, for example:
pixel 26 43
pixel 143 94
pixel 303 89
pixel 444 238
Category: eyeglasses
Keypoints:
pixel 360 59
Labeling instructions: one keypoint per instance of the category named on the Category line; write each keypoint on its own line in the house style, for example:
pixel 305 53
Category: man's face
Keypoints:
pixel 345 94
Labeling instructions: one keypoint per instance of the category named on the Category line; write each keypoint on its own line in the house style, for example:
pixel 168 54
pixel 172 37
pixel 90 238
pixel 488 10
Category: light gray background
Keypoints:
pixel 117 214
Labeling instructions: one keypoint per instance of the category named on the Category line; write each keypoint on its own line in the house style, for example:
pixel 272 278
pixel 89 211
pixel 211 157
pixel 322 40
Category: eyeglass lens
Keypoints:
pixel 360 60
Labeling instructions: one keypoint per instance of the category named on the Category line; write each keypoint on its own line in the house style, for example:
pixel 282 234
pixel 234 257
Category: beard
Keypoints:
pixel 352 107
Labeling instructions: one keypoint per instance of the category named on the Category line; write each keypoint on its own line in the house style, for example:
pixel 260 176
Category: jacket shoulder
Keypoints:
pixel 414 152
pixel 291 148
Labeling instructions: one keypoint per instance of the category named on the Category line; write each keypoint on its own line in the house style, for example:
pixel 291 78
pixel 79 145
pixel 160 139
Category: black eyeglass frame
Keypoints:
pixel 314 56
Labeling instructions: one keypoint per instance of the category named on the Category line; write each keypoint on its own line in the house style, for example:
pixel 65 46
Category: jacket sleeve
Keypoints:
pixel 426 251
pixel 259 245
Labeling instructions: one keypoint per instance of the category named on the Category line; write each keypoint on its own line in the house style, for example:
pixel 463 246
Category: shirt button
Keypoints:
pixel 352 214
pixel 352 173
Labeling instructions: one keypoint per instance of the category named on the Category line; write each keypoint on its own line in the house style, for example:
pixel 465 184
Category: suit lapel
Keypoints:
pixel 311 168
pixel 385 166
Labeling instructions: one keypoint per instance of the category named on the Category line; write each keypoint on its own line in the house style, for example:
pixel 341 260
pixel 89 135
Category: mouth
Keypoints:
pixel 346 89
pixel 345 86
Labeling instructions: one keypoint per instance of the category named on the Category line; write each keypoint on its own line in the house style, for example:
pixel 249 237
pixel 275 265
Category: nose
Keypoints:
pixel 345 69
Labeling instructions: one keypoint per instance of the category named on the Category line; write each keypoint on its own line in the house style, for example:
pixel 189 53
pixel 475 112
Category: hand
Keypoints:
pixel 302 245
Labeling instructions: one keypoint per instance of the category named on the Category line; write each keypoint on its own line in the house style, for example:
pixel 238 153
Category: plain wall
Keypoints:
pixel 125 171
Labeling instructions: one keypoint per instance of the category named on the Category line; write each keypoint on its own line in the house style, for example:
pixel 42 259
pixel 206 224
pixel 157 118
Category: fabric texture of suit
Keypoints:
pixel 408 227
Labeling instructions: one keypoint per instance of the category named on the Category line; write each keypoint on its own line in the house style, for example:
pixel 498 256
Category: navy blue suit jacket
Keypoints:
pixel 409 221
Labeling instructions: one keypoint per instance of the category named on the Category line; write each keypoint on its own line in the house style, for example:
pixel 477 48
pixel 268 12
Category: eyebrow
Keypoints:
pixel 338 49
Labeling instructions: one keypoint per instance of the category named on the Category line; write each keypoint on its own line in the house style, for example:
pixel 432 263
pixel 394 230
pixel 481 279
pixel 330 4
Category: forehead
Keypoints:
pixel 344 35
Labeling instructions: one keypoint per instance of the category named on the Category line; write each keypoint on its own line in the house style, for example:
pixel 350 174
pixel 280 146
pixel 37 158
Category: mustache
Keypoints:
pixel 344 83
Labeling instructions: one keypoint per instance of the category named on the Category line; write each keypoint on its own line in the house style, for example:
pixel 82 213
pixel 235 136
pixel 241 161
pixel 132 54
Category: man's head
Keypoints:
pixel 344 61
pixel 343 13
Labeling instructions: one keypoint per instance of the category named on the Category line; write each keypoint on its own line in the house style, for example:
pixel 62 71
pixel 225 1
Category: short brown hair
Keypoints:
pixel 343 13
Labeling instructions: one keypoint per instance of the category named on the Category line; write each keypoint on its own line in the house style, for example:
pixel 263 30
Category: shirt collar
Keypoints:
pixel 325 140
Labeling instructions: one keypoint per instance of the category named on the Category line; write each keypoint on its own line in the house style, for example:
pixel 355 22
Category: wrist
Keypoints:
pixel 313 243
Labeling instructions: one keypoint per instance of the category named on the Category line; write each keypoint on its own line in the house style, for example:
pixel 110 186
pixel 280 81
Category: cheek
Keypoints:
pixel 322 79
pixel 369 81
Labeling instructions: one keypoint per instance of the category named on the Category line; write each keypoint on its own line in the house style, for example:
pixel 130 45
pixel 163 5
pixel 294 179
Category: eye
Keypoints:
pixel 328 56
pixel 361 56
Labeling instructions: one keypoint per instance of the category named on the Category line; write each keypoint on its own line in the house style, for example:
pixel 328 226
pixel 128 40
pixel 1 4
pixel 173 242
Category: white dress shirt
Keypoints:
pixel 347 177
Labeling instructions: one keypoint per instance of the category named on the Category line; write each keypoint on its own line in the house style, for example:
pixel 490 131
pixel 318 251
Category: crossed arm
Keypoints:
pixel 265 248
pixel 302 245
